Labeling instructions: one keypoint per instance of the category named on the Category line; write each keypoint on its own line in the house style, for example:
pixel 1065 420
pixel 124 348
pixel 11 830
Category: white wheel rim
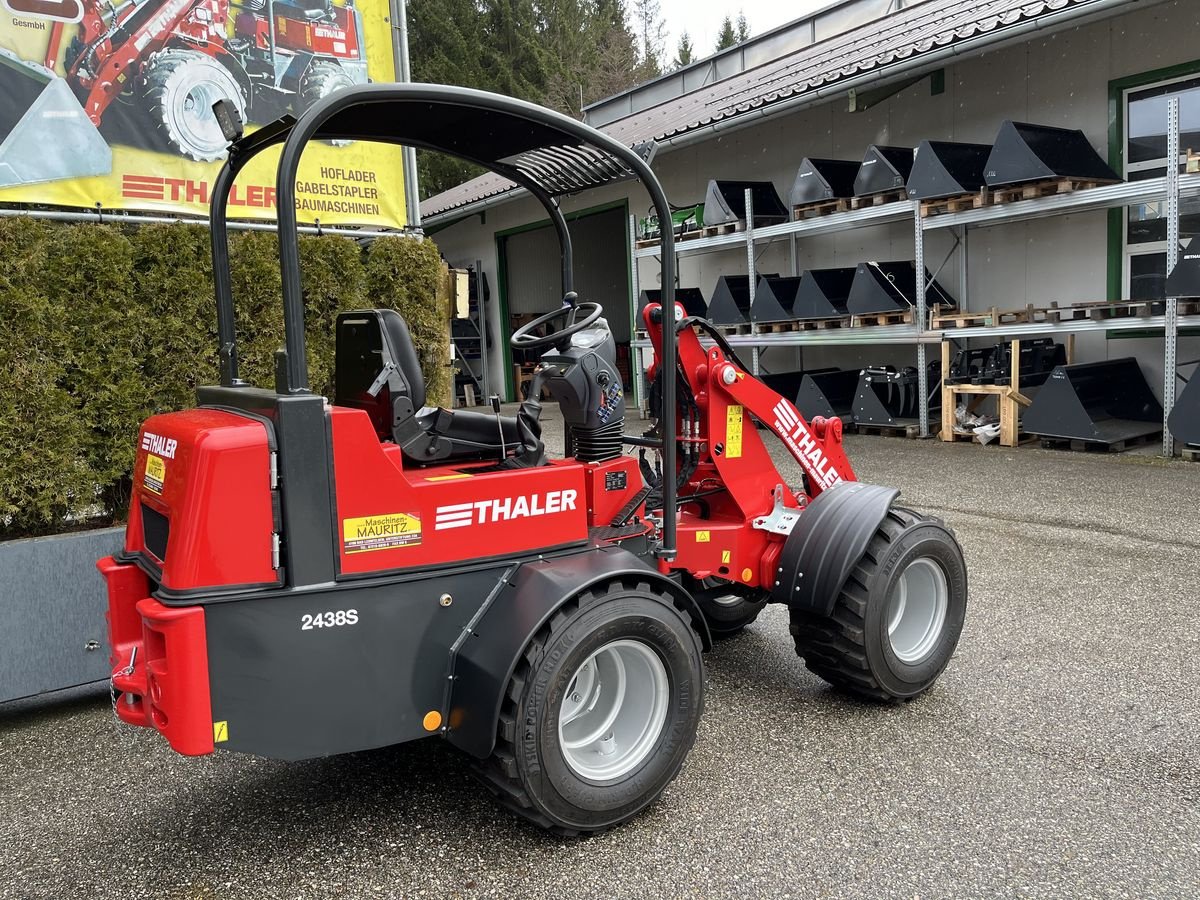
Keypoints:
pixel 916 610
pixel 194 121
pixel 614 710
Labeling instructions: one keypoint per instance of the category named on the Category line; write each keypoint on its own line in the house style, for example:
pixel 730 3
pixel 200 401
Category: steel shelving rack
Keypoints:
pixel 1170 188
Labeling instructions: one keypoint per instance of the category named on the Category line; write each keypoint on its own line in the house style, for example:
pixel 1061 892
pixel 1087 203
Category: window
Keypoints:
pixel 1145 140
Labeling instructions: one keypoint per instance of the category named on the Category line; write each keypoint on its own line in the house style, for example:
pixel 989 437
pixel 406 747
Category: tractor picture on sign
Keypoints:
pixel 146 73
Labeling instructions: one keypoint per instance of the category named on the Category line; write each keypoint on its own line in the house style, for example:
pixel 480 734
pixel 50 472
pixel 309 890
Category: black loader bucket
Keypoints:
pixel 1101 403
pixel 785 384
pixel 891 287
pixel 774 298
pixel 828 393
pixel 1185 415
pixel 730 304
pixel 44 133
pixel 945 169
pixel 1184 280
pixel 823 293
pixel 1038 359
pixel 725 202
pixel 892 398
pixel 690 297
pixel 1024 152
pixel 818 180
pixel 883 169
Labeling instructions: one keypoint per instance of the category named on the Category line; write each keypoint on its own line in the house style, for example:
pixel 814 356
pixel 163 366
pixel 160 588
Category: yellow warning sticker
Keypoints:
pixel 156 473
pixel 733 432
pixel 455 477
pixel 725 555
pixel 702 537
pixel 384 532
pixel 220 732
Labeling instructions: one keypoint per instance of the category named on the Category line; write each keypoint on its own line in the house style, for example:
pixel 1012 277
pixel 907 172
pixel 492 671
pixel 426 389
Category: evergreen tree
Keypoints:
pixel 726 37
pixel 651 31
pixel 685 53
pixel 743 28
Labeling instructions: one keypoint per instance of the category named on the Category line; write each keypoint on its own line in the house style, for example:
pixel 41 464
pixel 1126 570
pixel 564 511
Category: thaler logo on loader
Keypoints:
pixel 801 442
pixel 159 445
pixel 481 512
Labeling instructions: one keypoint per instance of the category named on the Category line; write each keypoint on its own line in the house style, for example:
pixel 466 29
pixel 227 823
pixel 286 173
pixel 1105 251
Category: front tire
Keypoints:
pixel 600 712
pixel 897 621
pixel 727 607
pixel 179 88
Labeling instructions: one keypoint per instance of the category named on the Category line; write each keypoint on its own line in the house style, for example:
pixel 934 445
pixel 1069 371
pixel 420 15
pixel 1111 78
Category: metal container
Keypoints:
pixel 774 298
pixel 891 287
pixel 818 180
pixel 1101 403
pixel 828 393
pixel 823 293
pixel 725 201
pixel 730 304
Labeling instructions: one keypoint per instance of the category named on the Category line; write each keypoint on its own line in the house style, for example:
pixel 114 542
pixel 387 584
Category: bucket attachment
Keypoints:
pixel 1184 280
pixel 1038 359
pixel 785 384
pixel 818 180
pixel 725 202
pixel 730 304
pixel 828 393
pixel 969 365
pixel 1024 152
pixel 44 133
pixel 690 298
pixel 891 287
pixel 883 169
pixel 1184 422
pixel 892 398
pixel 823 293
pixel 775 299
pixel 1100 403
pixel 945 169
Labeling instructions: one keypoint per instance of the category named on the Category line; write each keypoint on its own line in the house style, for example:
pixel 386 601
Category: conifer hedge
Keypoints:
pixel 102 326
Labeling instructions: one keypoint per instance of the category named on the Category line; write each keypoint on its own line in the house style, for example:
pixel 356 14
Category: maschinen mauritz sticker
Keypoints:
pixel 156 473
pixel 383 532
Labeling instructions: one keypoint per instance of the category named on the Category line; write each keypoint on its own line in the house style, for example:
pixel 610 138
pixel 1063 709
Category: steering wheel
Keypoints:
pixel 524 338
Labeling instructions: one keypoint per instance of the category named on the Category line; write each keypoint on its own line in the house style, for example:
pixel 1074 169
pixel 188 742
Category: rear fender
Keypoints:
pixel 499 635
pixel 831 536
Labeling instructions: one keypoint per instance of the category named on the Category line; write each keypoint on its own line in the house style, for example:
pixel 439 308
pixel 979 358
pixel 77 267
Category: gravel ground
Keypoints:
pixel 1057 756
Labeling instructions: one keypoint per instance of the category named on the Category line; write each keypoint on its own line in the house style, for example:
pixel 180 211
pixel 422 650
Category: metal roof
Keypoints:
pixel 886 47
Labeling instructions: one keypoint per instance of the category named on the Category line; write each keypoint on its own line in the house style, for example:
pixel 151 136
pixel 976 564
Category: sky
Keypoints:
pixel 702 18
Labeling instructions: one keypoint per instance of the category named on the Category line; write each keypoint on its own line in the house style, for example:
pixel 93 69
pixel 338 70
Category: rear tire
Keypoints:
pixel 727 607
pixel 179 88
pixel 600 712
pixel 321 80
pixel 897 621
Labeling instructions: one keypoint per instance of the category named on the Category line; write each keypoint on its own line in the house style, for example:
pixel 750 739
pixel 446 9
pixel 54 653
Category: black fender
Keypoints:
pixel 496 638
pixel 823 547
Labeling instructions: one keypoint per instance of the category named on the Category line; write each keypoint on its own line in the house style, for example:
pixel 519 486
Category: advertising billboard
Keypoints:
pixel 108 103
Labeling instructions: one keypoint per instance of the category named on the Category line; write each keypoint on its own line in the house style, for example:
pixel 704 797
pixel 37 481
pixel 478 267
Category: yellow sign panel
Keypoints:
pixel 156 473
pixel 725 555
pixel 733 432
pixel 385 532
pixel 220 732
pixel 702 537
pixel 143 136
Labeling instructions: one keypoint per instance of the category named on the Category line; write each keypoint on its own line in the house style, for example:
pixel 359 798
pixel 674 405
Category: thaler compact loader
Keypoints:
pixel 304 577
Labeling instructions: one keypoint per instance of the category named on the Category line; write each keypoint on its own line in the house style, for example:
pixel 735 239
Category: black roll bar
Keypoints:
pixel 377 112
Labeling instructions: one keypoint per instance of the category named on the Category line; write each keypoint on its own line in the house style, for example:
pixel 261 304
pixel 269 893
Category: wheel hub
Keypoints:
pixel 613 711
pixel 916 610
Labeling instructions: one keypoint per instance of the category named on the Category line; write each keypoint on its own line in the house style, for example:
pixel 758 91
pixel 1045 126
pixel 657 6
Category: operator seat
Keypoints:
pixel 376 369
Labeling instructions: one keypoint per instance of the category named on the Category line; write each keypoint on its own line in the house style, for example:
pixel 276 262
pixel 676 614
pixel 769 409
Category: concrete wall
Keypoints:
pixel 1060 78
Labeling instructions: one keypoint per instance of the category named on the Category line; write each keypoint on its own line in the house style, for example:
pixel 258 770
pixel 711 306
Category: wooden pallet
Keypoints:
pixel 879 199
pixel 713 231
pixel 900 317
pixel 1125 309
pixel 1191 454
pixel 793 325
pixel 730 330
pixel 990 319
pixel 1048 188
pixel 959 203
pixel 820 208
pixel 1100 446
pixel 906 430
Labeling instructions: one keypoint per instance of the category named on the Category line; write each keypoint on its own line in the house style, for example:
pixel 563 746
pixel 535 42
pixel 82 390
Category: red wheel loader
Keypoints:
pixel 304 576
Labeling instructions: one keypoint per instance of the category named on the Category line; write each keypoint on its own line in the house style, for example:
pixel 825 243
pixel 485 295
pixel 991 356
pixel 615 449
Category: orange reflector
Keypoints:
pixel 432 720
pixel 747 574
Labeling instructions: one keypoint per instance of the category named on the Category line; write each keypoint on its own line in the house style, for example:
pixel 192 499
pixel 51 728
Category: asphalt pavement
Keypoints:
pixel 1058 756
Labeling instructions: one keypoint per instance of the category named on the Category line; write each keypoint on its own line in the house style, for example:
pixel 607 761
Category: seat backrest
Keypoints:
pixel 366 341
